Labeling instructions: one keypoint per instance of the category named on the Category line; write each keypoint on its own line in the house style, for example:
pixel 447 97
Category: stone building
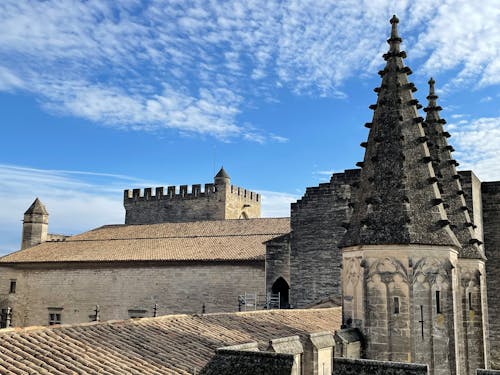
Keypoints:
pixel 400 240
pixel 218 201
pixel 143 269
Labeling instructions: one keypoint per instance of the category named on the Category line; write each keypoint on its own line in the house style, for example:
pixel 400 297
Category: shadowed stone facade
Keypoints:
pixel 491 224
pixel 344 366
pixel 318 224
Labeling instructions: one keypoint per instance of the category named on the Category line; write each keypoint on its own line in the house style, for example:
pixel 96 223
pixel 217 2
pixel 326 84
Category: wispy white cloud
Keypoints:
pixel 194 65
pixel 476 141
pixel 80 200
pixel 277 204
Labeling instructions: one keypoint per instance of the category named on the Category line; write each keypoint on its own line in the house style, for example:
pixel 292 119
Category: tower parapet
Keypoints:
pixel 216 201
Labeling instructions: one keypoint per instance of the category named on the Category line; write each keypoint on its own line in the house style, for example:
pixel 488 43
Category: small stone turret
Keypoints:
pixel 222 178
pixel 35 225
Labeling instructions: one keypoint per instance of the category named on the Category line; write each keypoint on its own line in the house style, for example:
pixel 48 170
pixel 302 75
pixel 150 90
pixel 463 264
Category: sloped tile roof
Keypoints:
pixel 172 344
pixel 220 240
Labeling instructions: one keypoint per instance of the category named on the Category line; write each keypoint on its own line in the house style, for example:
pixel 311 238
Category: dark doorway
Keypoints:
pixel 281 286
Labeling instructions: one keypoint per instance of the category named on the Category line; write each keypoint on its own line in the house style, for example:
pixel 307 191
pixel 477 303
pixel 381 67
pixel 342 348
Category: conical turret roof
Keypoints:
pixel 398 198
pixel 448 179
pixel 36 208
pixel 222 174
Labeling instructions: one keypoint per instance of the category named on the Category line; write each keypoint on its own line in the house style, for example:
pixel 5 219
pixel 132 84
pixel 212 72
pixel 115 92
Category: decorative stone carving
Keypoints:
pixel 387 268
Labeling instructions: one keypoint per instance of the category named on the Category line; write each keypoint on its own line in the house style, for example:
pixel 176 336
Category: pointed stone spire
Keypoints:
pixel 448 179
pixel 36 208
pixel 398 198
pixel 222 178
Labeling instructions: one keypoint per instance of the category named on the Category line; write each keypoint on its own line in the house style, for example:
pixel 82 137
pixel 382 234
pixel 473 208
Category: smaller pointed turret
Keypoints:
pixel 222 178
pixel 35 225
pixel 448 178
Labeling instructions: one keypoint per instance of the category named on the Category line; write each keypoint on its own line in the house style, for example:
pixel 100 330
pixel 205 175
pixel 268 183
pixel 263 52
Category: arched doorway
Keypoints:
pixel 281 286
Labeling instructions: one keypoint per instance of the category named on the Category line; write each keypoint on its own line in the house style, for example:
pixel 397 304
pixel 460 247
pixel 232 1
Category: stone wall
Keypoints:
pixel 473 198
pixel 123 291
pixel 487 372
pixel 404 298
pixel 231 362
pixel 344 366
pixel 318 223
pixel 277 260
pixel 491 223
pixel 215 202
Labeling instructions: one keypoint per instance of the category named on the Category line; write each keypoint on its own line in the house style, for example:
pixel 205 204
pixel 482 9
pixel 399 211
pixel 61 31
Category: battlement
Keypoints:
pixel 184 192
pixel 249 195
pixel 172 192
pixel 213 201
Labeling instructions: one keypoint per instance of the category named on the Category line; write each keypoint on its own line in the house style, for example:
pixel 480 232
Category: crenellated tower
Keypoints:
pixel 217 201
pixel 400 254
pixel 471 259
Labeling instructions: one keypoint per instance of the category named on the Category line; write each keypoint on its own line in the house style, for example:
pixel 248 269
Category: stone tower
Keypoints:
pixel 218 201
pixel 471 259
pixel 222 178
pixel 35 225
pixel 402 283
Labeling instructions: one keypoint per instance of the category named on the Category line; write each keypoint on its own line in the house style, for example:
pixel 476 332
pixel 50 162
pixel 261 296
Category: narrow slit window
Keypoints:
pixel 12 288
pixel 470 301
pixel 396 305
pixel 438 302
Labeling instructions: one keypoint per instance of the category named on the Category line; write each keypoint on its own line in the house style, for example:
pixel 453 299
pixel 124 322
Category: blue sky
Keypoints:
pixel 98 97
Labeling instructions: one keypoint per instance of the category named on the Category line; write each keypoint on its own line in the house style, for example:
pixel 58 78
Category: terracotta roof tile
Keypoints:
pixel 172 344
pixel 221 240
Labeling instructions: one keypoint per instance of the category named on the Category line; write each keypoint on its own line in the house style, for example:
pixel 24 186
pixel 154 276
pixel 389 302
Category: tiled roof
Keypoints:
pixel 220 240
pixel 172 344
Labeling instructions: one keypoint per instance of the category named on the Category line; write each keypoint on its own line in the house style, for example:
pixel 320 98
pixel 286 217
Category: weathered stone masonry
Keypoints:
pixel 318 222
pixel 122 291
pixel 218 201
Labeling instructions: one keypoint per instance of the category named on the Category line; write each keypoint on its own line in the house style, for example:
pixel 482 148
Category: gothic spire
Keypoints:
pixel 398 198
pixel 448 178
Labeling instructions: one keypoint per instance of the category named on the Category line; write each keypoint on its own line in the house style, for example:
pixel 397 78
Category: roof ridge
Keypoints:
pixel 398 196
pixel 448 179
pixel 165 237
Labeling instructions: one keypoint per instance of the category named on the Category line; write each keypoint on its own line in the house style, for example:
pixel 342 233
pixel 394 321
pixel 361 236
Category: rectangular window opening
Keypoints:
pixel 470 301
pixel 137 313
pixel 396 305
pixel 55 315
pixel 12 288
pixel 438 302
